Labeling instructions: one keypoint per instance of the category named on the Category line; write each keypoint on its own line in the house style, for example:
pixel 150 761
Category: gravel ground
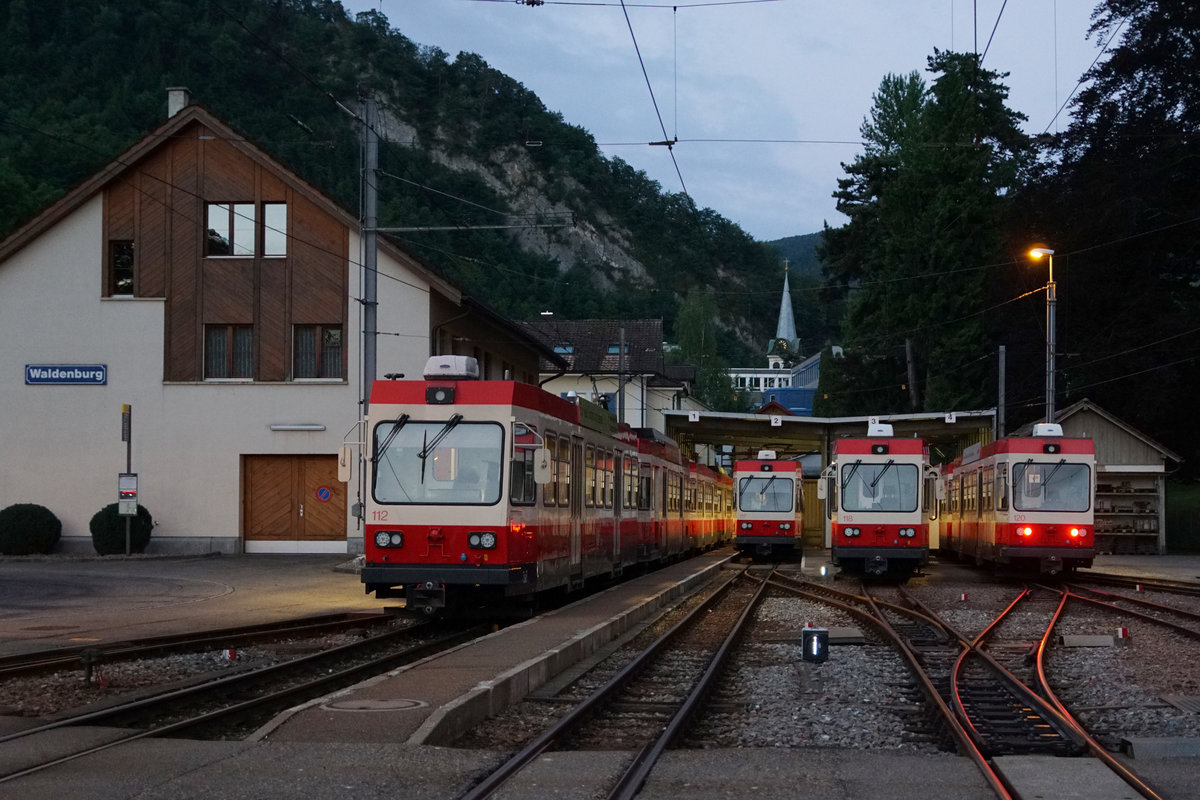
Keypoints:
pixel 54 693
pixel 1116 690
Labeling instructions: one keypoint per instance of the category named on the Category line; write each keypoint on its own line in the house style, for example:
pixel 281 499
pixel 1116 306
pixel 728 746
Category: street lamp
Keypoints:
pixel 1038 252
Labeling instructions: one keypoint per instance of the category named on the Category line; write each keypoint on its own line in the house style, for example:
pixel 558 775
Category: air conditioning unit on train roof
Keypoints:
pixel 879 429
pixel 766 455
pixel 451 368
pixel 1047 429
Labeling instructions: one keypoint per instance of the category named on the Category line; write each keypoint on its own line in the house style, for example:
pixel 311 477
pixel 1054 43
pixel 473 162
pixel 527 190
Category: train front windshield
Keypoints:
pixel 432 463
pixel 880 487
pixel 1051 486
pixel 766 493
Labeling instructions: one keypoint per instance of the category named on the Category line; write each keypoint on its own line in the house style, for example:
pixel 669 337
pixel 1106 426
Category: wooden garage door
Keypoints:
pixel 293 498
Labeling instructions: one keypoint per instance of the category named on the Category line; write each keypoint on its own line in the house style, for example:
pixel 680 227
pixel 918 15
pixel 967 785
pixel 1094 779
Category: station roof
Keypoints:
pixel 947 432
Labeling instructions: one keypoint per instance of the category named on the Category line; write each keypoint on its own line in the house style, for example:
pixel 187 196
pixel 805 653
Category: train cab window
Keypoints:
pixel 589 477
pixel 989 483
pixel 645 492
pixel 449 462
pixel 563 469
pixel 1051 486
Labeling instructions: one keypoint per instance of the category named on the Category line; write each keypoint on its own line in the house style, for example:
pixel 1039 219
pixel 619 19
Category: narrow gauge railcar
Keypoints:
pixel 768 498
pixel 879 493
pixel 485 492
pixel 1024 502
pixel 708 507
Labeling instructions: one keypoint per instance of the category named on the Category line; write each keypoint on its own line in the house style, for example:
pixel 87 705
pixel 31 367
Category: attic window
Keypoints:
pixel 564 349
pixel 230 229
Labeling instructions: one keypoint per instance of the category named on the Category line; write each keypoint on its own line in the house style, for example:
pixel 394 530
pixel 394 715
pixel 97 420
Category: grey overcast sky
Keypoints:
pixel 765 98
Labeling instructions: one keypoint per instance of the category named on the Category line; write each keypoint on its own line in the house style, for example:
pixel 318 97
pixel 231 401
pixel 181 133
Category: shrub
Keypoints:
pixel 108 531
pixel 27 528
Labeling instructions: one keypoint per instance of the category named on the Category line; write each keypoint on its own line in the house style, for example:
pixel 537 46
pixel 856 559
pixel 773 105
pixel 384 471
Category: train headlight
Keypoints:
pixel 785 526
pixel 1026 531
pixel 389 539
pixel 908 533
pixel 481 540
pixel 1076 533
pixel 746 526
pixel 850 532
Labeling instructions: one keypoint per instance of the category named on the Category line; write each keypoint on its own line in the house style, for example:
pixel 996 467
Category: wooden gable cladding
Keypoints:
pixel 161 204
pixel 318 266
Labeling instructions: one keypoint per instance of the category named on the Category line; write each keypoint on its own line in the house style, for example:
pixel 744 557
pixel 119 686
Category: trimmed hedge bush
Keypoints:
pixel 108 531
pixel 27 528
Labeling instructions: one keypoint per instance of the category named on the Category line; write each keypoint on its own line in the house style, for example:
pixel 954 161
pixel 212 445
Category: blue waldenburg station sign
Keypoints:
pixel 76 374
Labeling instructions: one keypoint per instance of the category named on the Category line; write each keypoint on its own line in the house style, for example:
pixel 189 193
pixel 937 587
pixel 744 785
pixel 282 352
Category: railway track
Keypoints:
pixel 83 656
pixel 231 706
pixel 649 702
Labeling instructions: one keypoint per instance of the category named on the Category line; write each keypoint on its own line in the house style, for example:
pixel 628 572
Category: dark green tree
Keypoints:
pixel 926 202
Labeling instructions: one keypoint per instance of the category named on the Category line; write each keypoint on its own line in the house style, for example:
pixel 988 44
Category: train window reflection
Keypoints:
pixel 433 463
pixel 1051 486
pixel 880 487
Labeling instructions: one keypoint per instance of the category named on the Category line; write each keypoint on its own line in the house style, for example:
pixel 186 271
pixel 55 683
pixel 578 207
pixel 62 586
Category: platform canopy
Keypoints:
pixel 794 436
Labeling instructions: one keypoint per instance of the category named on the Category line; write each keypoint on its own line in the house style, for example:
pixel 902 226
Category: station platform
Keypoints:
pixel 437 699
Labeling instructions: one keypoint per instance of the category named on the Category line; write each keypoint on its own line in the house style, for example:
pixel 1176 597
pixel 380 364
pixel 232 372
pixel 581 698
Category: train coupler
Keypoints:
pixel 875 565
pixel 428 597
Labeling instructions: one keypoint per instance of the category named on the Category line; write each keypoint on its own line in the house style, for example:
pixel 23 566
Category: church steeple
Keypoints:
pixel 785 347
pixel 786 327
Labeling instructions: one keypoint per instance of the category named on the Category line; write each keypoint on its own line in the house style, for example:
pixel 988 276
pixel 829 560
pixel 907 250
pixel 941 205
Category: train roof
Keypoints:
pixel 772 466
pixel 1025 445
pixel 904 447
pixel 477 393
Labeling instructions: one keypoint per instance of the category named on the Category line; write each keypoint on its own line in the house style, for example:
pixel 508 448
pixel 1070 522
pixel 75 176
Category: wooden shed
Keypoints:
pixel 1131 470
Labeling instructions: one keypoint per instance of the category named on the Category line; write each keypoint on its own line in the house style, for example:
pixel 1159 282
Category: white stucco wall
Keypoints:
pixel 60 446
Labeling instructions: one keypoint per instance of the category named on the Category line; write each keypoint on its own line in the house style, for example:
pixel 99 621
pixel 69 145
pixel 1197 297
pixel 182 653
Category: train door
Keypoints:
pixel 575 515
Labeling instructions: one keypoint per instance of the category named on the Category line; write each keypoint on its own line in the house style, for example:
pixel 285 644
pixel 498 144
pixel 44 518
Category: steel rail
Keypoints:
pixel 964 745
pixel 519 760
pixel 1115 598
pixel 631 781
pixel 220 638
pixel 148 704
pixel 1160 584
pixel 1095 747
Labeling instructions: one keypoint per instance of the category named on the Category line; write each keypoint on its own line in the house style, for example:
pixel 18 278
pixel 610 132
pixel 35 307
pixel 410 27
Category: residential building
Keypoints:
pixel 216 293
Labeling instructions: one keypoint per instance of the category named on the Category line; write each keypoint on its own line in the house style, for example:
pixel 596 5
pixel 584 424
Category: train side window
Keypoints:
pixel 521 486
pixel 608 479
pixel 550 490
pixel 1002 487
pixel 564 471
pixel 589 476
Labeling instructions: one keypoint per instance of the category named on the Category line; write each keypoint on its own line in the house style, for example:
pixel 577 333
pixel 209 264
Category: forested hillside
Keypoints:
pixel 465 145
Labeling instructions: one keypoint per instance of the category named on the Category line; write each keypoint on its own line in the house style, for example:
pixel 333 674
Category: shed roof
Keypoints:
pixel 1087 405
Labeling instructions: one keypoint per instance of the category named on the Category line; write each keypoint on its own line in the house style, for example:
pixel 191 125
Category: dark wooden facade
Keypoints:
pixel 160 205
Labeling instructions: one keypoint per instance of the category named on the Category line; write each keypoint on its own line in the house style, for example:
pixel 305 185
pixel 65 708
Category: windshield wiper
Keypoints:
pixel 878 477
pixel 429 447
pixel 1057 466
pixel 853 469
pixel 399 423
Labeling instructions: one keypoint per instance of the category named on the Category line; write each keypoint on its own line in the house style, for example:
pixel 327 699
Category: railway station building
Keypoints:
pixel 215 292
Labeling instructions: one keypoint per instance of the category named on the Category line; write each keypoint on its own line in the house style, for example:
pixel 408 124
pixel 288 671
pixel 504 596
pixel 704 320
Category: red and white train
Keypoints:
pixel 1024 502
pixel 482 492
pixel 768 500
pixel 880 492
